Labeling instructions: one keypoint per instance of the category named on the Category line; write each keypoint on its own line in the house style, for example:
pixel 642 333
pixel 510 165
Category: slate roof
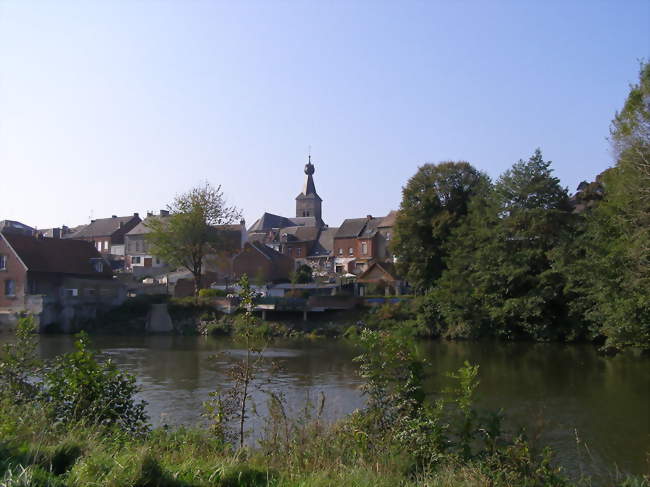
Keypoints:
pixel 269 221
pixel 268 252
pixel 11 226
pixel 142 228
pixel 103 227
pixel 325 244
pixel 351 227
pixel 53 255
pixel 388 220
pixel 299 234
pixel 371 228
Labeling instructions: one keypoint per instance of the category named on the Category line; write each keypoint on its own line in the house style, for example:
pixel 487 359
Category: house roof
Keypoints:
pixel 142 228
pixel 325 244
pixel 388 220
pixel 267 252
pixel 11 226
pixel 299 234
pixel 53 255
pixel 386 269
pixel 351 227
pixel 371 228
pixel 103 227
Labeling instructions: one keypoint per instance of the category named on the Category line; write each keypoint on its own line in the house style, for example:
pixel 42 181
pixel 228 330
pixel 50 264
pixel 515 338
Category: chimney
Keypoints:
pixel 56 233
pixel 114 216
pixel 136 214
pixel 369 217
pixel 149 213
pixel 164 213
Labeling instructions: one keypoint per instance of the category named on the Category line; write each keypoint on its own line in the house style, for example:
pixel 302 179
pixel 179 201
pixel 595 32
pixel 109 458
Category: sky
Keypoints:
pixel 114 107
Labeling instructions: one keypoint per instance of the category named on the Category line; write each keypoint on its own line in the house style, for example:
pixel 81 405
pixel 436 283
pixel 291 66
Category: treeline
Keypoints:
pixel 518 258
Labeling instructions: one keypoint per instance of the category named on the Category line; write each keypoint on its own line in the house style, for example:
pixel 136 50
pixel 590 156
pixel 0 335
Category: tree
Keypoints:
pixel 434 202
pixel 500 279
pixel 189 234
pixel 607 268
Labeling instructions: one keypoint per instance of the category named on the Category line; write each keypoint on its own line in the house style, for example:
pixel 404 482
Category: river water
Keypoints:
pixel 593 411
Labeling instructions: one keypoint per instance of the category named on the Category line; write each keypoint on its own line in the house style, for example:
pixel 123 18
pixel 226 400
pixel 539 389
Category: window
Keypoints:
pixel 32 286
pixel 351 251
pixel 157 261
pixel 98 265
pixel 10 287
pixel 105 244
pixel 70 292
pixel 387 235
pixel 135 260
pixel 90 292
pixel 99 246
pixel 3 262
pixel 364 248
pixel 340 251
pixel 299 251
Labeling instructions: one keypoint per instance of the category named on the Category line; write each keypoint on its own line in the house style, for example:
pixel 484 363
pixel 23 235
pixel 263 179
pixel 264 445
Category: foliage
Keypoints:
pixel 433 203
pixel 500 278
pixel 19 363
pixel 302 275
pixel 188 234
pixel 607 263
pixel 78 387
pixel 212 293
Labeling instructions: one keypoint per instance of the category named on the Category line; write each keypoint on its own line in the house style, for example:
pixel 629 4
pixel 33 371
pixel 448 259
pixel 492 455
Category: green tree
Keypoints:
pixel 189 234
pixel 434 202
pixel 500 279
pixel 607 267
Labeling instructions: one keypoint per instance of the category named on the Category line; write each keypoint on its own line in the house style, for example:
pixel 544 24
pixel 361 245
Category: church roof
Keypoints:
pixel 269 221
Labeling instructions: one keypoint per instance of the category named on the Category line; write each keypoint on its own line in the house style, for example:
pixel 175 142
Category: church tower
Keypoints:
pixel 308 203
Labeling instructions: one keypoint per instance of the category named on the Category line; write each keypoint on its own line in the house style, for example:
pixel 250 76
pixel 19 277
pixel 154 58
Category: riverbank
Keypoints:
pixel 34 452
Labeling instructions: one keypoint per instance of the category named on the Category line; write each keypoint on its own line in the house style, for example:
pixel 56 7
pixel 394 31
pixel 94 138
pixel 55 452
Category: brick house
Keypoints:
pixel 107 234
pixel 354 244
pixel 261 262
pixel 57 280
pixel 361 241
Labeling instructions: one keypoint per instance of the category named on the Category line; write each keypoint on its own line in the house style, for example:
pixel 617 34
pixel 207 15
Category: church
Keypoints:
pixel 298 236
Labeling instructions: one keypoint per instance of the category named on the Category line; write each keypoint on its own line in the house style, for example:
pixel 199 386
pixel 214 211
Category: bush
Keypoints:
pixel 79 388
pixel 212 293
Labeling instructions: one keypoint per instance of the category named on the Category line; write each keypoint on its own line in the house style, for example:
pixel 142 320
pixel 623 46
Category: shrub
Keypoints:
pixel 19 362
pixel 79 388
pixel 212 293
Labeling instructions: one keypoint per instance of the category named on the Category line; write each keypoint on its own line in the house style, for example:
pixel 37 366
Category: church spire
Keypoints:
pixel 308 203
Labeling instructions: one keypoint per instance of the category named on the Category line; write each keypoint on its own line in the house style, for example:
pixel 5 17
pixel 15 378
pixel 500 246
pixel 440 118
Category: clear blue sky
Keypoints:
pixel 113 107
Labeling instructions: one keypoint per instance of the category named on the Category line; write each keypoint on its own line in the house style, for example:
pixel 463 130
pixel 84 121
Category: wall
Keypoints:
pixel 16 271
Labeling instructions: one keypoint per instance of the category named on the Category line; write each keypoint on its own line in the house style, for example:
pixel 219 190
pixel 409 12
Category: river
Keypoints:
pixel 593 411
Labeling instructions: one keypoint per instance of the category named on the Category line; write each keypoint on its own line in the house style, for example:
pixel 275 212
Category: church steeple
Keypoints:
pixel 308 203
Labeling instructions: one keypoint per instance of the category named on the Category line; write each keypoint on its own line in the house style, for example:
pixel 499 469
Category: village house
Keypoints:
pixel 361 241
pixel 138 256
pixel 261 263
pixel 107 234
pixel 58 281
pixel 321 257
